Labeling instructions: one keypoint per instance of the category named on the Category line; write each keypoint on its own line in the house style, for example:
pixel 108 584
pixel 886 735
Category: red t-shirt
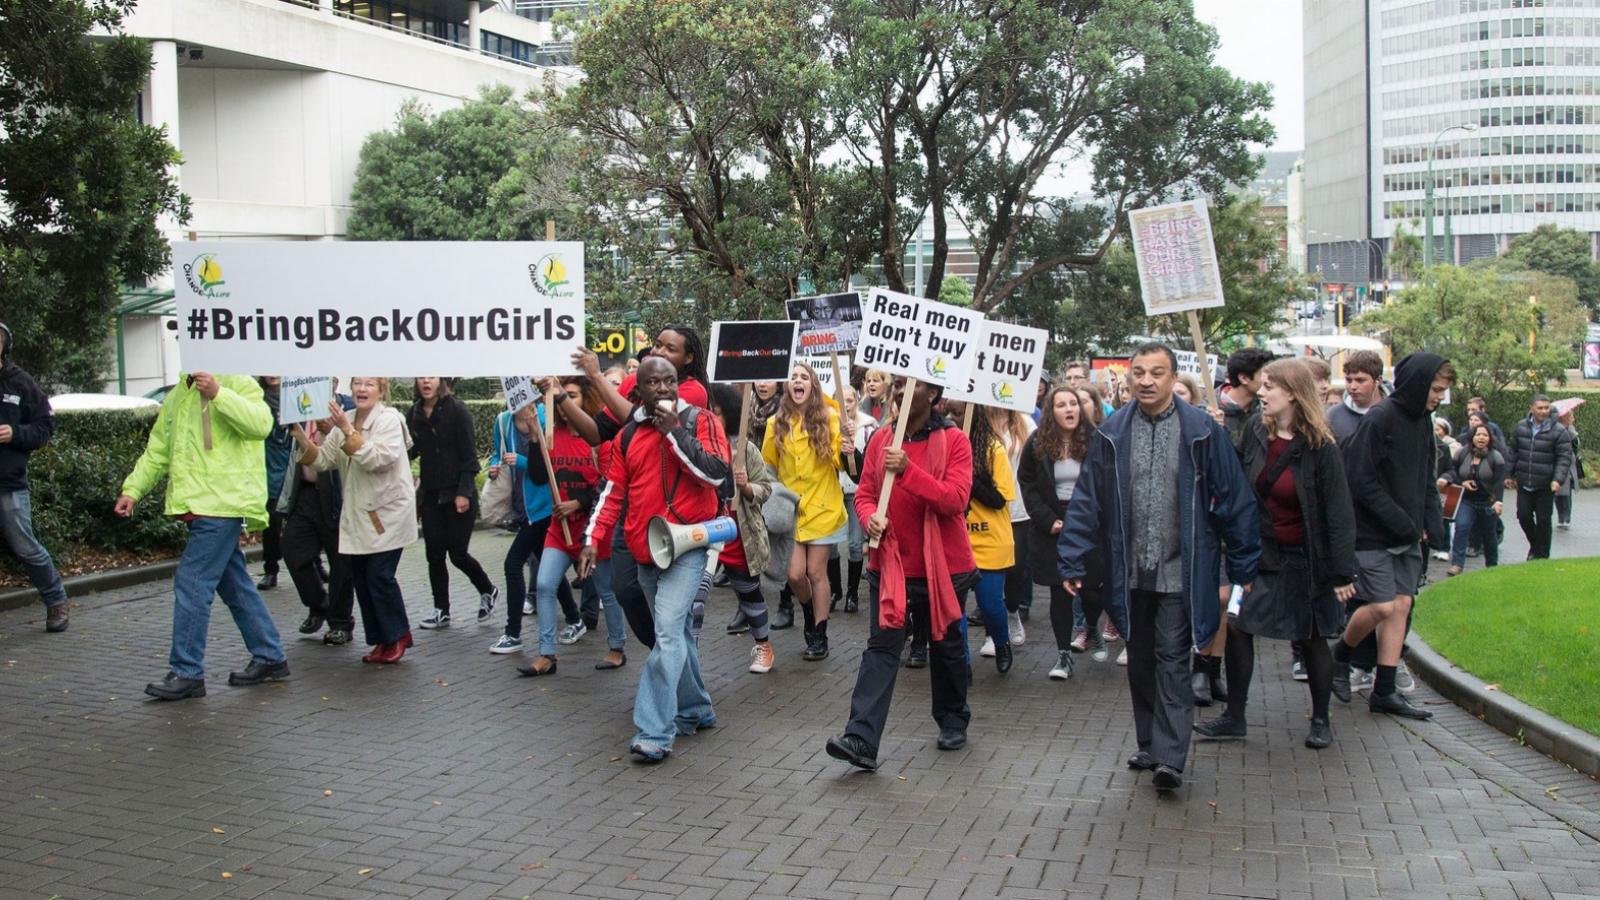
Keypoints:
pixel 1283 504
pixel 578 467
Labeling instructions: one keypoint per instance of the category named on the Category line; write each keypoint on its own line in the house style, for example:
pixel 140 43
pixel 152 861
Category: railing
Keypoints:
pixel 421 35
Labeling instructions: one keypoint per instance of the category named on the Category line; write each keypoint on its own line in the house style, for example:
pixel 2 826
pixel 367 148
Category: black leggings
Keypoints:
pixel 1240 659
pixel 446 534
pixel 1061 612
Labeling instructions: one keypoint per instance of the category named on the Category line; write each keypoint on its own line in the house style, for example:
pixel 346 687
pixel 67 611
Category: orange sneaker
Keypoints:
pixel 761 657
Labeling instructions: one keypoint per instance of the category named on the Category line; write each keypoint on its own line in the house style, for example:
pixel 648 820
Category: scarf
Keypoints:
pixel 944 607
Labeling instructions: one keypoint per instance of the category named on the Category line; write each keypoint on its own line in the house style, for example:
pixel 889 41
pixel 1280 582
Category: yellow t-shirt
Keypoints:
pixel 821 509
pixel 989 529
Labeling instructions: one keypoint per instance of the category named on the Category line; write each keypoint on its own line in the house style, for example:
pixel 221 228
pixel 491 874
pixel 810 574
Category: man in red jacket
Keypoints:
pixel 923 561
pixel 669 460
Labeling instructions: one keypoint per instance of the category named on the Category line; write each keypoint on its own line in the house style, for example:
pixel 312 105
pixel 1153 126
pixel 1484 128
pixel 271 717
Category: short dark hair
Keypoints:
pixel 1245 363
pixel 1541 398
pixel 1156 347
pixel 1367 362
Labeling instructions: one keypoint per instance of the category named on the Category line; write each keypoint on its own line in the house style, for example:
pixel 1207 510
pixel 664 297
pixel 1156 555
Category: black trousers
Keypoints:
pixel 528 544
pixel 880 665
pixel 383 608
pixel 1534 511
pixel 1158 675
pixel 308 533
pixel 445 535
pixel 1019 586
pixel 272 538
pixel 630 595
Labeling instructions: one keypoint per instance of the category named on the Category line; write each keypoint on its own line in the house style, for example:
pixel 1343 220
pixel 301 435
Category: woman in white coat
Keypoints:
pixel 379 516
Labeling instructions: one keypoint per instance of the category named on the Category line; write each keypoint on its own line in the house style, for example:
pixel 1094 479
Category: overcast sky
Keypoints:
pixel 1261 42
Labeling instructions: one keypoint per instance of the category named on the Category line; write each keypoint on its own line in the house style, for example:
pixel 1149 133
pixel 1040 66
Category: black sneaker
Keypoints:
pixel 1002 658
pixel 1396 704
pixel 259 672
pixel 1222 728
pixel 336 637
pixel 853 750
pixel 852 603
pixel 176 687
pixel 486 603
pixel 312 624
pixel 918 657
pixel 1142 761
pixel 816 648
pixel 1167 779
pixel 1320 735
pixel 951 739
pixel 267 582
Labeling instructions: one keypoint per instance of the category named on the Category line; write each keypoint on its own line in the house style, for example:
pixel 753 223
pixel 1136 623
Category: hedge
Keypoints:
pixel 1507 408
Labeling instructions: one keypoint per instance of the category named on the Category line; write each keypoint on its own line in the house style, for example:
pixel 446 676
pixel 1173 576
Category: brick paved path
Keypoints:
pixel 451 777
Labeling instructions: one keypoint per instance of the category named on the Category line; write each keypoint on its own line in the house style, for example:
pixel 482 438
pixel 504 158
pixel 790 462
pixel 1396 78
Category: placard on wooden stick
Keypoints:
pixel 743 352
pixel 1006 367
pixel 1178 272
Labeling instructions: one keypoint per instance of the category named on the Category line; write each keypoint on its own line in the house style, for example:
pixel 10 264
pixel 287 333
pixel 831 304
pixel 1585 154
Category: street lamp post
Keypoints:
pixel 1427 202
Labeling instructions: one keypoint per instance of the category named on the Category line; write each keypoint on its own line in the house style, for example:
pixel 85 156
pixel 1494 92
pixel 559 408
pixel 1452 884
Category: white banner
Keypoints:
pixel 395 308
pixel 1007 368
pixel 1176 257
pixel 918 338
pixel 302 399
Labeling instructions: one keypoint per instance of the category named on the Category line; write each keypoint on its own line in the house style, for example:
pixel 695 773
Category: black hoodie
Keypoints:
pixel 1389 461
pixel 27 410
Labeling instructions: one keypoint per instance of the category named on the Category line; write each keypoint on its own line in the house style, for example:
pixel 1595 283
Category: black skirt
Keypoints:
pixel 1285 603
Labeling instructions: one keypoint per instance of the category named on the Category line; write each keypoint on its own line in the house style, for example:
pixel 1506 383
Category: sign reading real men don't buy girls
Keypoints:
pixel 474 308
pixel 918 338
pixel 1006 369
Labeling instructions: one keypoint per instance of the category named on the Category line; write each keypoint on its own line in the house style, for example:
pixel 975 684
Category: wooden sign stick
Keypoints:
pixel 1202 359
pixel 899 438
pixel 549 466
pixel 744 427
pixel 966 419
pixel 838 395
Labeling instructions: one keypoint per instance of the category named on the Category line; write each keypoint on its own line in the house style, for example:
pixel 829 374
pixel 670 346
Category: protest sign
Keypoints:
pixel 1177 260
pixel 303 398
pixel 751 351
pixel 475 308
pixel 519 391
pixel 1006 370
pixel 1105 370
pixel 616 344
pixel 828 324
pixel 822 367
pixel 918 338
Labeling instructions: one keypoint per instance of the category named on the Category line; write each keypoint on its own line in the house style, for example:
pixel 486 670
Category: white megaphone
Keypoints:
pixel 669 540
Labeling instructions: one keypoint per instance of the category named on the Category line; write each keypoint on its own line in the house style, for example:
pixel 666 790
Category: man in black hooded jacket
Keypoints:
pixel 1390 461
pixel 26 424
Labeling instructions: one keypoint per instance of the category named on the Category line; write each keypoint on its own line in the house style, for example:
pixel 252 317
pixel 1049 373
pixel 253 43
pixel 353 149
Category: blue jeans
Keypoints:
pixel 858 534
pixel 672 697
pixel 212 565
pixel 553 565
pixel 16 520
pixel 991 591
pixel 1477 524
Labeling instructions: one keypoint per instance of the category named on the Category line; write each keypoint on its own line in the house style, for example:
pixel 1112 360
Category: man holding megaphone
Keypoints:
pixel 670 461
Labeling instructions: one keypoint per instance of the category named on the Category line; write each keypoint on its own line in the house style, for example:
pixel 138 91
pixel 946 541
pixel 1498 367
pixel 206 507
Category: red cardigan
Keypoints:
pixel 916 493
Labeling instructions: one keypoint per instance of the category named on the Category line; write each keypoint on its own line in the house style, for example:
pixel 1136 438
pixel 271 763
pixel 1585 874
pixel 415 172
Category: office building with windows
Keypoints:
pixel 1502 95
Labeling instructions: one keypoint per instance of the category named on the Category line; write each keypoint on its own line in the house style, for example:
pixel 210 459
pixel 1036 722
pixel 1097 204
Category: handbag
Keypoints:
pixel 494 499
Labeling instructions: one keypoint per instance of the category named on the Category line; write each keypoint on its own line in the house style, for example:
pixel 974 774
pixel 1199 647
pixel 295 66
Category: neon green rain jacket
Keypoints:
pixel 228 481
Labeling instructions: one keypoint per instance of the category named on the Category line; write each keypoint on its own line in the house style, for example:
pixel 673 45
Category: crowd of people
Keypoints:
pixel 1181 532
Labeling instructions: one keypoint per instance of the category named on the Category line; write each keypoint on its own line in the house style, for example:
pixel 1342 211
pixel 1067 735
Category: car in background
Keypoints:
pixel 76 402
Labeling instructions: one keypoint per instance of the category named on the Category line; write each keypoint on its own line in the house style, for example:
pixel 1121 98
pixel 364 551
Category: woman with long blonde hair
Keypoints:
pixel 878 399
pixel 805 444
pixel 1308 539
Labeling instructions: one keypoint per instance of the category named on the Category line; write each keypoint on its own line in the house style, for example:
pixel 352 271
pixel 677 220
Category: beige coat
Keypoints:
pixel 380 502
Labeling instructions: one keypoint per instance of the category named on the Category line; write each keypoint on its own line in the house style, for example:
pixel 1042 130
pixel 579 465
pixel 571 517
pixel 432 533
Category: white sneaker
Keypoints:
pixel 571 633
pixel 436 619
pixel 506 644
pixel 1018 633
pixel 1099 653
pixel 1404 682
pixel 527 607
pixel 1362 680
pixel 1122 658
pixel 1441 556
pixel 988 649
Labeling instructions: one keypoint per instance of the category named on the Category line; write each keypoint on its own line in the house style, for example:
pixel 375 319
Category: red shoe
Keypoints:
pixel 377 654
pixel 393 654
pixel 405 641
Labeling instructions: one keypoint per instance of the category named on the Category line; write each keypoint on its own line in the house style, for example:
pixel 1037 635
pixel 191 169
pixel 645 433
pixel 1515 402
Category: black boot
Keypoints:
pixel 1219 689
pixel 811 623
pixel 852 600
pixel 817 647
pixel 784 616
pixel 1200 681
pixel 835 584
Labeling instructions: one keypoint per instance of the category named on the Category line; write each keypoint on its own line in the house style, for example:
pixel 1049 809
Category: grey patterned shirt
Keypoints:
pixel 1157 550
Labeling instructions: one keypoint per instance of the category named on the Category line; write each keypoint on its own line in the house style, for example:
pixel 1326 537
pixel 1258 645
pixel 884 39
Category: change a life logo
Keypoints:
pixel 303 403
pixel 204 276
pixel 1003 391
pixel 549 277
pixel 936 367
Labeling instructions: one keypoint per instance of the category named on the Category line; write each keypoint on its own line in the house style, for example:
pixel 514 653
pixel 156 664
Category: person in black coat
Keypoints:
pixel 26 425
pixel 1480 469
pixel 1308 541
pixel 447 498
pixel 1540 456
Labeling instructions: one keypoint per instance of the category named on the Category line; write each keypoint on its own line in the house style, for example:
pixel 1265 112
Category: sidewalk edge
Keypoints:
pixel 83 585
pixel 1549 735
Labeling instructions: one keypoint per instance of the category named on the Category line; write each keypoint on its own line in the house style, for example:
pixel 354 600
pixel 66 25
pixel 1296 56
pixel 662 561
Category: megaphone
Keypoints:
pixel 669 540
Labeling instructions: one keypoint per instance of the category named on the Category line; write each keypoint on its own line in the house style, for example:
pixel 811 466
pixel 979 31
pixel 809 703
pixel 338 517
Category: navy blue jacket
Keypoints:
pixel 1214 502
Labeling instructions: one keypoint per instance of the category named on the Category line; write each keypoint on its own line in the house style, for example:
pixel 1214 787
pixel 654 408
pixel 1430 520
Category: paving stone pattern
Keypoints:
pixel 452 777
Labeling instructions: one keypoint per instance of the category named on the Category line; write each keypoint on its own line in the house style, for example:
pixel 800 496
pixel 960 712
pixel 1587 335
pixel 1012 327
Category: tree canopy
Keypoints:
pixel 1560 251
pixel 82 183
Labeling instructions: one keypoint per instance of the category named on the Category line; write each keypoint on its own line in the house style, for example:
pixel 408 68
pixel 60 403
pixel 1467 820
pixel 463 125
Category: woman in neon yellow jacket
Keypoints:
pixel 207 443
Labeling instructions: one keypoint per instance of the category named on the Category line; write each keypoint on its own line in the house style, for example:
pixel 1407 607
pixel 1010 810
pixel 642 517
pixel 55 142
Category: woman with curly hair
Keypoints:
pixel 1048 473
pixel 806 446
pixel 989 533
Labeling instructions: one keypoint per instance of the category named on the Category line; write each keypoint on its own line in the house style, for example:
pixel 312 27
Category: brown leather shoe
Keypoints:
pixel 55 620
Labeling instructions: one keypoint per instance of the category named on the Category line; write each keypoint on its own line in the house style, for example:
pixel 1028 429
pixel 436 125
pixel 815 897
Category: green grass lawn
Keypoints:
pixel 1531 628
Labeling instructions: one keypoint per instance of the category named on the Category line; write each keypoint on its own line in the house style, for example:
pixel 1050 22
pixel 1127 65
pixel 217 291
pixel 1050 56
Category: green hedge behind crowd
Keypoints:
pixel 1510 407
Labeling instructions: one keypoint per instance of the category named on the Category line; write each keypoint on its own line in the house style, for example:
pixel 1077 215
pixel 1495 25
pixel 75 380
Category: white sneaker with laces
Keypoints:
pixel 1122 658
pixel 486 603
pixel 506 644
pixel 988 649
pixel 1018 634
pixel 571 633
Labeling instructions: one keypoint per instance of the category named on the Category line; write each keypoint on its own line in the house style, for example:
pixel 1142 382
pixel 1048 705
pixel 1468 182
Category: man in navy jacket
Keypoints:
pixel 26 424
pixel 1161 487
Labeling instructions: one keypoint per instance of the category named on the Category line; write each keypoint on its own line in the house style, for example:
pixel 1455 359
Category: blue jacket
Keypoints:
pixel 1214 503
pixel 536 503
